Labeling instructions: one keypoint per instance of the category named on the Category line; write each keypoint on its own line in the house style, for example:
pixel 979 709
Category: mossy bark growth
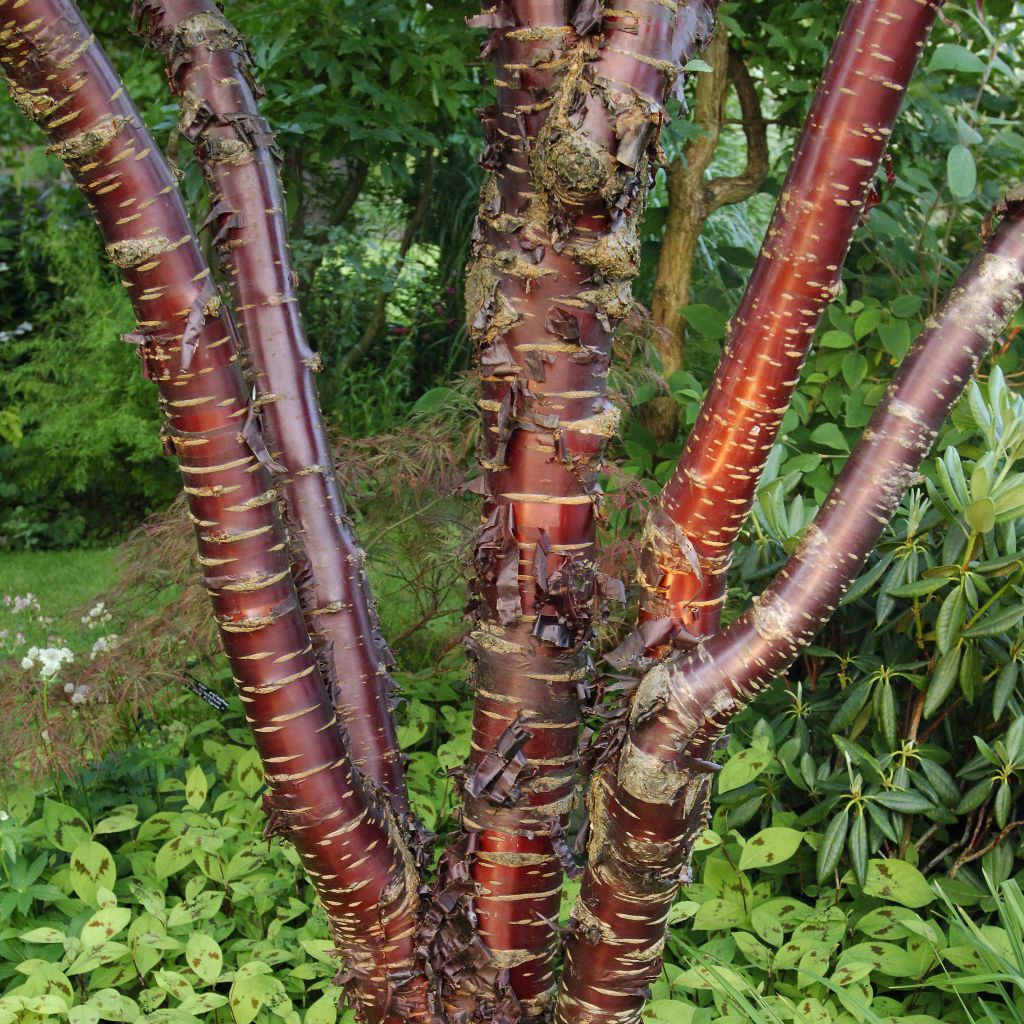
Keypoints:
pixel 571 147
pixel 350 847
pixel 208 68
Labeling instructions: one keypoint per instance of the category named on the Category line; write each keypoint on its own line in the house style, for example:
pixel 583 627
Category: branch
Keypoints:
pixel 60 77
pixel 208 68
pixel 647 809
pixel 797 273
pixel 378 318
pixel 725 191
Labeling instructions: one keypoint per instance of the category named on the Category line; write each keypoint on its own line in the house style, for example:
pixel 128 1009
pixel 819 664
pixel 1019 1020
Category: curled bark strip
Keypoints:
pixel 570 144
pixel 648 807
pixel 795 277
pixel 208 68
pixel 349 846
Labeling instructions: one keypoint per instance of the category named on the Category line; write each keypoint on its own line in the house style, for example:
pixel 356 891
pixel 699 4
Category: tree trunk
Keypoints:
pixel 208 69
pixel 647 810
pixel 691 200
pixel 378 317
pixel 59 76
pixel 691 532
pixel 570 147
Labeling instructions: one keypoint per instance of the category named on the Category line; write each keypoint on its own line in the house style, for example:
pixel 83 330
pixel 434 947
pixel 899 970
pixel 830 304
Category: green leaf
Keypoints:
pixel 953 57
pixel 742 768
pixel 195 787
pixel 174 855
pixel 831 848
pixel 92 866
pixel 961 171
pixel 104 925
pixel 919 588
pixel 904 801
pixel 323 1011
pixel 668 1011
pixel 981 515
pixel 696 64
pixel 996 623
pixel 974 797
pixel 718 915
pixel 857 847
pixel 706 320
pixel 204 956
pixel 831 436
pixel 770 846
pixel 950 620
pixel 835 339
pixel 249 773
pixel 64 826
pixel 947 671
pixel 43 935
pixel 855 368
pixel 898 882
pixel 434 399
pixel 1006 684
pixel 116 823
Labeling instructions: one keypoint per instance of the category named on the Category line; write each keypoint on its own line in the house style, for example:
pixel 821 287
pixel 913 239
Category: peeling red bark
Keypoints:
pixel 647 809
pixel 704 504
pixel 571 147
pixel 59 76
pixel 208 68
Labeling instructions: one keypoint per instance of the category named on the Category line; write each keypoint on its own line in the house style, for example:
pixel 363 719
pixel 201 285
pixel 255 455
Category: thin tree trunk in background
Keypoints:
pixel 570 147
pixel 357 173
pixel 797 273
pixel 378 318
pixel 208 68
pixel 59 76
pixel 691 200
pixel 647 810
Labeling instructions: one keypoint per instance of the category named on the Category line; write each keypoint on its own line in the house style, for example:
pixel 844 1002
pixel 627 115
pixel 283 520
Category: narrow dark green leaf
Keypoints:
pixel 831 848
pixel 942 682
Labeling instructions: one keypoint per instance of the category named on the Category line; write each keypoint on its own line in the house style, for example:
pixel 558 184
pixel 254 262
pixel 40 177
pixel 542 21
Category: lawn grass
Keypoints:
pixel 62 580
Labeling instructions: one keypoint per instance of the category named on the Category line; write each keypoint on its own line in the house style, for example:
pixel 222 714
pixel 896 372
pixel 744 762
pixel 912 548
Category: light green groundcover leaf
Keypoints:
pixel 770 846
pixel 898 882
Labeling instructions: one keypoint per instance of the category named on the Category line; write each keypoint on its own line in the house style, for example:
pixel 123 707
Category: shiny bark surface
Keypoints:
pixel 208 69
pixel 60 77
pixel 691 532
pixel 571 151
pixel 647 809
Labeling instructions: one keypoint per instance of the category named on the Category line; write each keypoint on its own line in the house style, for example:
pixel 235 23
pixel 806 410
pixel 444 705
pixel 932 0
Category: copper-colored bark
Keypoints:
pixel 796 274
pixel 59 76
pixel 648 808
pixel 208 69
pixel 570 146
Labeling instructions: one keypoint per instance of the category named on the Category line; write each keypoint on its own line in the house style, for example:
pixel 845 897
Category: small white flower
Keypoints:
pixel 4 816
pixel 27 663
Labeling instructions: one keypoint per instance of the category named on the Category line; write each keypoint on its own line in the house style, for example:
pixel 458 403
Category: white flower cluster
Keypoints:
pixel 48 659
pixel 96 615
pixel 23 328
pixel 102 645
pixel 78 693
pixel 21 602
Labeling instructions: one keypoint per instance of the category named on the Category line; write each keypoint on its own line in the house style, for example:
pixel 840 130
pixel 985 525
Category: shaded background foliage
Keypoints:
pixel 896 736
